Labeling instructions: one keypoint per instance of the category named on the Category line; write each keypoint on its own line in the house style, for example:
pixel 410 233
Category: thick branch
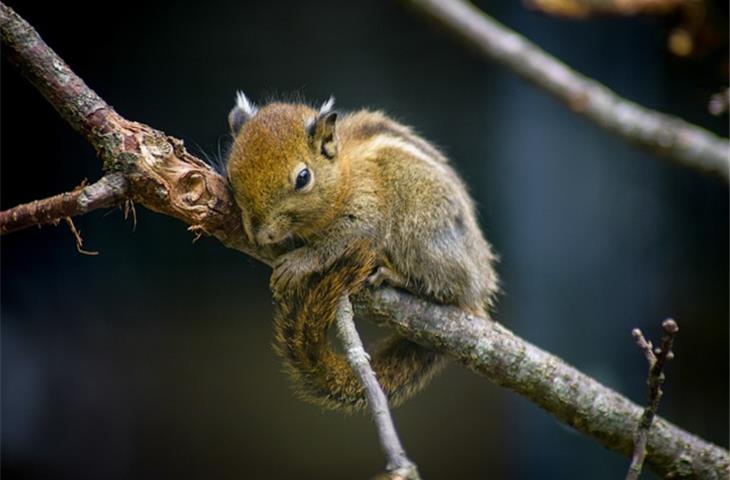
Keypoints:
pixel 667 135
pixel 110 190
pixel 398 465
pixel 65 91
pixel 573 397
pixel 163 176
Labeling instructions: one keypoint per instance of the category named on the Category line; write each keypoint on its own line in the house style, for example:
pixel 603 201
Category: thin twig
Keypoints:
pixel 667 135
pixel 129 208
pixel 656 360
pixel 169 180
pixel 108 191
pixel 398 465
pixel 77 236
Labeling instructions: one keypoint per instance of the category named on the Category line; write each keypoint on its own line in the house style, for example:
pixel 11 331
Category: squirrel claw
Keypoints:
pixel 376 278
pixel 288 272
pixel 281 278
pixel 386 275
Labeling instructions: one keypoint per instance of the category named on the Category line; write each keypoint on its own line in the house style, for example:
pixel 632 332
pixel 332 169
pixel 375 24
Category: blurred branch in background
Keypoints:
pixel 164 177
pixel 587 8
pixel 693 33
pixel 663 134
pixel 719 103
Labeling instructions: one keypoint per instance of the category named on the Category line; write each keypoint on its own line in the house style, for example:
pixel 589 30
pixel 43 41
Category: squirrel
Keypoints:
pixel 350 200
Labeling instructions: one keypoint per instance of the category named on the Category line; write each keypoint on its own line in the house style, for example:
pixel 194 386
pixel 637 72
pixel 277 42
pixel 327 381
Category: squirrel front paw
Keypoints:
pixel 289 270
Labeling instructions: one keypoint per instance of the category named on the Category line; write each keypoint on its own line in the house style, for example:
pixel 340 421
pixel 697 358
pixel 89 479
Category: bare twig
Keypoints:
pixel 667 135
pixel 129 208
pixel 656 360
pixel 164 177
pixel 397 464
pixel 77 236
pixel 108 191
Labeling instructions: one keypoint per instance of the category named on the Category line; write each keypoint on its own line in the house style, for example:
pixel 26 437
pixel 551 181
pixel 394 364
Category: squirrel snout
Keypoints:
pixel 268 234
pixel 258 232
pixel 265 237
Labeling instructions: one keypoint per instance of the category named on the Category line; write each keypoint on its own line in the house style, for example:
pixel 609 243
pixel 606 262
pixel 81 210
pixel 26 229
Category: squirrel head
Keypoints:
pixel 284 169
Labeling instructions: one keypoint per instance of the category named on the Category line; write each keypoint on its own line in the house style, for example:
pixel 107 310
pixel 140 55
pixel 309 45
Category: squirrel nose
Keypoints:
pixel 264 236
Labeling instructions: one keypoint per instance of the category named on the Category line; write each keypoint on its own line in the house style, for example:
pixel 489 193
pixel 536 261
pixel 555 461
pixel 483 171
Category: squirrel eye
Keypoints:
pixel 303 178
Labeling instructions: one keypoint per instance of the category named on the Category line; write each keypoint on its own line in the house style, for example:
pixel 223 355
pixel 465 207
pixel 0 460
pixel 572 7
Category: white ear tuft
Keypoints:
pixel 245 104
pixel 241 112
pixel 327 106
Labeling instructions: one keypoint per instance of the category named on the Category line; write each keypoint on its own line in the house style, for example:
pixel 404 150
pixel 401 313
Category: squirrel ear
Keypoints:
pixel 323 133
pixel 241 113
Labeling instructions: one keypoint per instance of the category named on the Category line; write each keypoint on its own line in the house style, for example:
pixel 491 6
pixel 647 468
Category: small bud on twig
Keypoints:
pixel 656 358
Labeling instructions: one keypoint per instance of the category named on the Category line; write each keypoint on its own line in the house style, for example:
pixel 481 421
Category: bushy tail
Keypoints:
pixel 305 314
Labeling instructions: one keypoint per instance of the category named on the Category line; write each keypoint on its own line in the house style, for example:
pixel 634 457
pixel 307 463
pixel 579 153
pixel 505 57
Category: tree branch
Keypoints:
pixel 163 176
pixel 667 135
pixel 398 465
pixel 160 173
pixel 576 399
pixel 110 190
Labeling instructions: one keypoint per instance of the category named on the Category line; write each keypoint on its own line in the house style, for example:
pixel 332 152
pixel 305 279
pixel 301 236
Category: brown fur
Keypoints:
pixel 323 376
pixel 381 196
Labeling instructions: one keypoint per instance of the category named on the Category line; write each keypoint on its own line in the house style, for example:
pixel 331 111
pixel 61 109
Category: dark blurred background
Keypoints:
pixel 153 359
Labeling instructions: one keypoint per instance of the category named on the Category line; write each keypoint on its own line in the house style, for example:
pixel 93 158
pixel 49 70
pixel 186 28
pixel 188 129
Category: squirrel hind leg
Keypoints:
pixel 404 368
pixel 387 276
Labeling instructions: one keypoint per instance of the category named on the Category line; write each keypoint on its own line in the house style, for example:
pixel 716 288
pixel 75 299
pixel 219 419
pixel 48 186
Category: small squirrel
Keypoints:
pixel 348 200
